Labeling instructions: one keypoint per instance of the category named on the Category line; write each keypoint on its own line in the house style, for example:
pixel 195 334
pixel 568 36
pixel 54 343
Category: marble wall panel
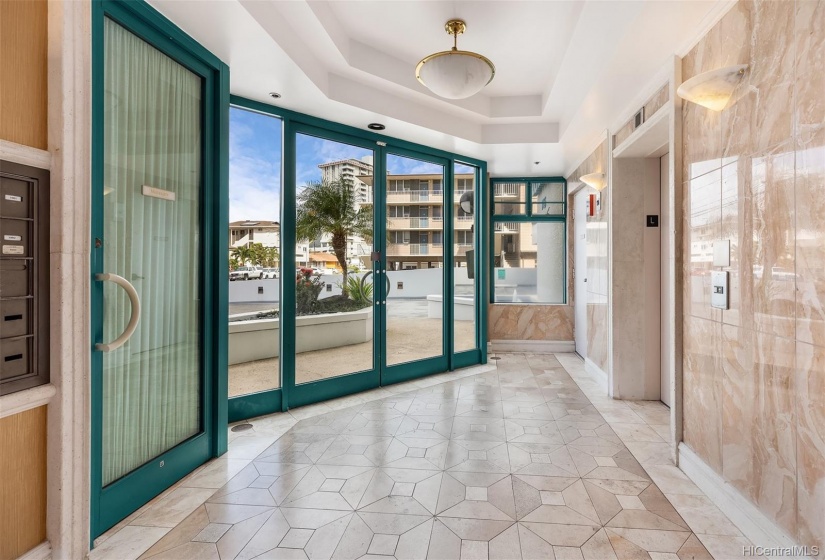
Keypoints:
pixel 702 389
pixel 769 148
pixel 774 429
pixel 809 109
pixel 704 216
pixel 737 223
pixel 738 408
pixel 659 99
pixel 530 322
pixel 810 237
pixel 773 233
pixel 810 443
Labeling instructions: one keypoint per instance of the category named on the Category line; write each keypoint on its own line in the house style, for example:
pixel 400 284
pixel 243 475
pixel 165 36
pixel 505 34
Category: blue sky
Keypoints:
pixel 255 163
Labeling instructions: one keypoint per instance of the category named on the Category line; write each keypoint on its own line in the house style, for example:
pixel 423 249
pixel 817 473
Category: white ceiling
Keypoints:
pixel 565 70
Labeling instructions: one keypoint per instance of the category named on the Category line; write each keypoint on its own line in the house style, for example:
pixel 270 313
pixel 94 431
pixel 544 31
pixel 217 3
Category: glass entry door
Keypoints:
pixel 334 324
pixel 414 328
pixel 150 389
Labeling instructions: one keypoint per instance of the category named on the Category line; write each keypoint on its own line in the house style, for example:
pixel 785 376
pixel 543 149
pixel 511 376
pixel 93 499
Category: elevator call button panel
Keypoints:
pixel 719 289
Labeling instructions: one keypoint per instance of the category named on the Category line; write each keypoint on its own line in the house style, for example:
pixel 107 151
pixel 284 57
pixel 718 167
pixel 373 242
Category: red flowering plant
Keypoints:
pixel 307 289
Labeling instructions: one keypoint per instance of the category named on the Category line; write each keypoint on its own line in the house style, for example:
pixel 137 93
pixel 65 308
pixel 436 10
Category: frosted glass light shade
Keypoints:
pixel 713 89
pixel 595 180
pixel 455 74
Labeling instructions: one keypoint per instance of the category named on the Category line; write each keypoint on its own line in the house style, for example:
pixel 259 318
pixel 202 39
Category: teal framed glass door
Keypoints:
pixel 156 186
pixel 414 310
pixel 329 335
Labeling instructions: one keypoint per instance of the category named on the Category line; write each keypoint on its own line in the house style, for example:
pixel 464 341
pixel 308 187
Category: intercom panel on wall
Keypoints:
pixel 24 277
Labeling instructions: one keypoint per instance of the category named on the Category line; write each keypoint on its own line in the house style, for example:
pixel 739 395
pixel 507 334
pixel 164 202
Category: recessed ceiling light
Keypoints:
pixel 376 126
pixel 274 95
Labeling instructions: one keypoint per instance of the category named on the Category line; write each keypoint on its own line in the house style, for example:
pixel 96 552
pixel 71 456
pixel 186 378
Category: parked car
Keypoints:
pixel 246 273
pixel 271 273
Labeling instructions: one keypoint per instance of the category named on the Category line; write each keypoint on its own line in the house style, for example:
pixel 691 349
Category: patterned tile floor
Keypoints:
pixel 516 462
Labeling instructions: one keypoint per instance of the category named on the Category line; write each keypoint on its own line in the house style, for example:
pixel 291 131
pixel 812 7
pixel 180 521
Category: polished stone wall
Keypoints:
pixel 530 322
pixel 754 375
pixel 597 260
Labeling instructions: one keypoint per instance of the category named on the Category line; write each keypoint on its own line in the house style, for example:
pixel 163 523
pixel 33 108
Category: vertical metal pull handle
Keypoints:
pixel 134 300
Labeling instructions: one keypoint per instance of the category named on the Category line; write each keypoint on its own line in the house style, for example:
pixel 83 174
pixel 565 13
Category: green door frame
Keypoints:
pixel 290 396
pixel 117 500
pixel 419 368
pixel 323 389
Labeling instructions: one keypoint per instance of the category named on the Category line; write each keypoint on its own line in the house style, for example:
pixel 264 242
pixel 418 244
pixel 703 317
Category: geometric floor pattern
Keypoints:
pixel 509 464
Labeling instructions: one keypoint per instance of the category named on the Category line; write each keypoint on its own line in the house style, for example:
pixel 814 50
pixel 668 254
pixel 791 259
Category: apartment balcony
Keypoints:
pixel 402 224
pixel 403 197
pixel 414 249
pixel 507 227
pixel 507 190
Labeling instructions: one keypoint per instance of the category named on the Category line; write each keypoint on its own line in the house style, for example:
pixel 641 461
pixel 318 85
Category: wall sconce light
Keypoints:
pixel 595 180
pixel 713 89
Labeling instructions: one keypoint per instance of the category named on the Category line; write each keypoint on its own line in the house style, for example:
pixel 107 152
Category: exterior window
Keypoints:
pixel 529 241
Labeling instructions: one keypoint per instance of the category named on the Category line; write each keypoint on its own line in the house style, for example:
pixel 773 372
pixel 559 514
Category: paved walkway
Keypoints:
pixel 518 461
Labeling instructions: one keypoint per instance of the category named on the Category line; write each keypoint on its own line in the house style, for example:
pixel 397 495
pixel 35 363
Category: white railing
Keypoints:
pixel 507 189
pixel 413 196
pixel 510 227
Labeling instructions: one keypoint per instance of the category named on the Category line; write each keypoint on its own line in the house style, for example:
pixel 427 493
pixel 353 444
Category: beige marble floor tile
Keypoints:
pixel 520 461
pixel 128 543
pixel 725 547
pixel 671 480
pixel 703 516
pixel 174 507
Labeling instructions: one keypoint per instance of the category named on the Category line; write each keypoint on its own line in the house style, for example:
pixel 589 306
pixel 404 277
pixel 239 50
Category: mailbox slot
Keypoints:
pixel 14 358
pixel 14 318
pixel 14 278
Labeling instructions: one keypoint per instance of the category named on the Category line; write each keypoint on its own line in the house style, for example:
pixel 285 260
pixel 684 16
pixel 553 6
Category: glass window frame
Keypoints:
pixel 527 216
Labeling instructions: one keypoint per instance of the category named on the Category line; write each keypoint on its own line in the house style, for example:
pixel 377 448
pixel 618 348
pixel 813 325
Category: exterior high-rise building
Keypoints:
pixel 352 170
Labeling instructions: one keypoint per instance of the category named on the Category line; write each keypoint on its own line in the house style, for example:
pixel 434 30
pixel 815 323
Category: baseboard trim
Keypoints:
pixel 754 524
pixel 591 368
pixel 43 551
pixel 534 346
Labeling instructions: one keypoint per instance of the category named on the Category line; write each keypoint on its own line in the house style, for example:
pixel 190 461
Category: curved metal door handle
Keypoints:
pixel 133 320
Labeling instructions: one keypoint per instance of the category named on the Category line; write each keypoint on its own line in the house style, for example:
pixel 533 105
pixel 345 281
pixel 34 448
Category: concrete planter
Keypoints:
pixel 258 340
pixel 464 308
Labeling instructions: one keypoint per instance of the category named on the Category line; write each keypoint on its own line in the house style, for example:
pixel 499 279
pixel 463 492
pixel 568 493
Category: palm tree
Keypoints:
pixel 329 208
pixel 271 256
pixel 244 254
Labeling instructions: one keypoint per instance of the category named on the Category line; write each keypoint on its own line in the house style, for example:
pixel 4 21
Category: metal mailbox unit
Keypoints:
pixel 24 277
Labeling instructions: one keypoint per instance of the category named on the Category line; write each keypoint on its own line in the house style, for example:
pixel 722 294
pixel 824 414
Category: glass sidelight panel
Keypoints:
pixel 254 251
pixel 464 252
pixel 151 205
pixel 415 260
pixel 334 282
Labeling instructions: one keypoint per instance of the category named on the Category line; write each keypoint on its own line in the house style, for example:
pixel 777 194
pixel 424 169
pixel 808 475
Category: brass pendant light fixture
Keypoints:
pixel 455 74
